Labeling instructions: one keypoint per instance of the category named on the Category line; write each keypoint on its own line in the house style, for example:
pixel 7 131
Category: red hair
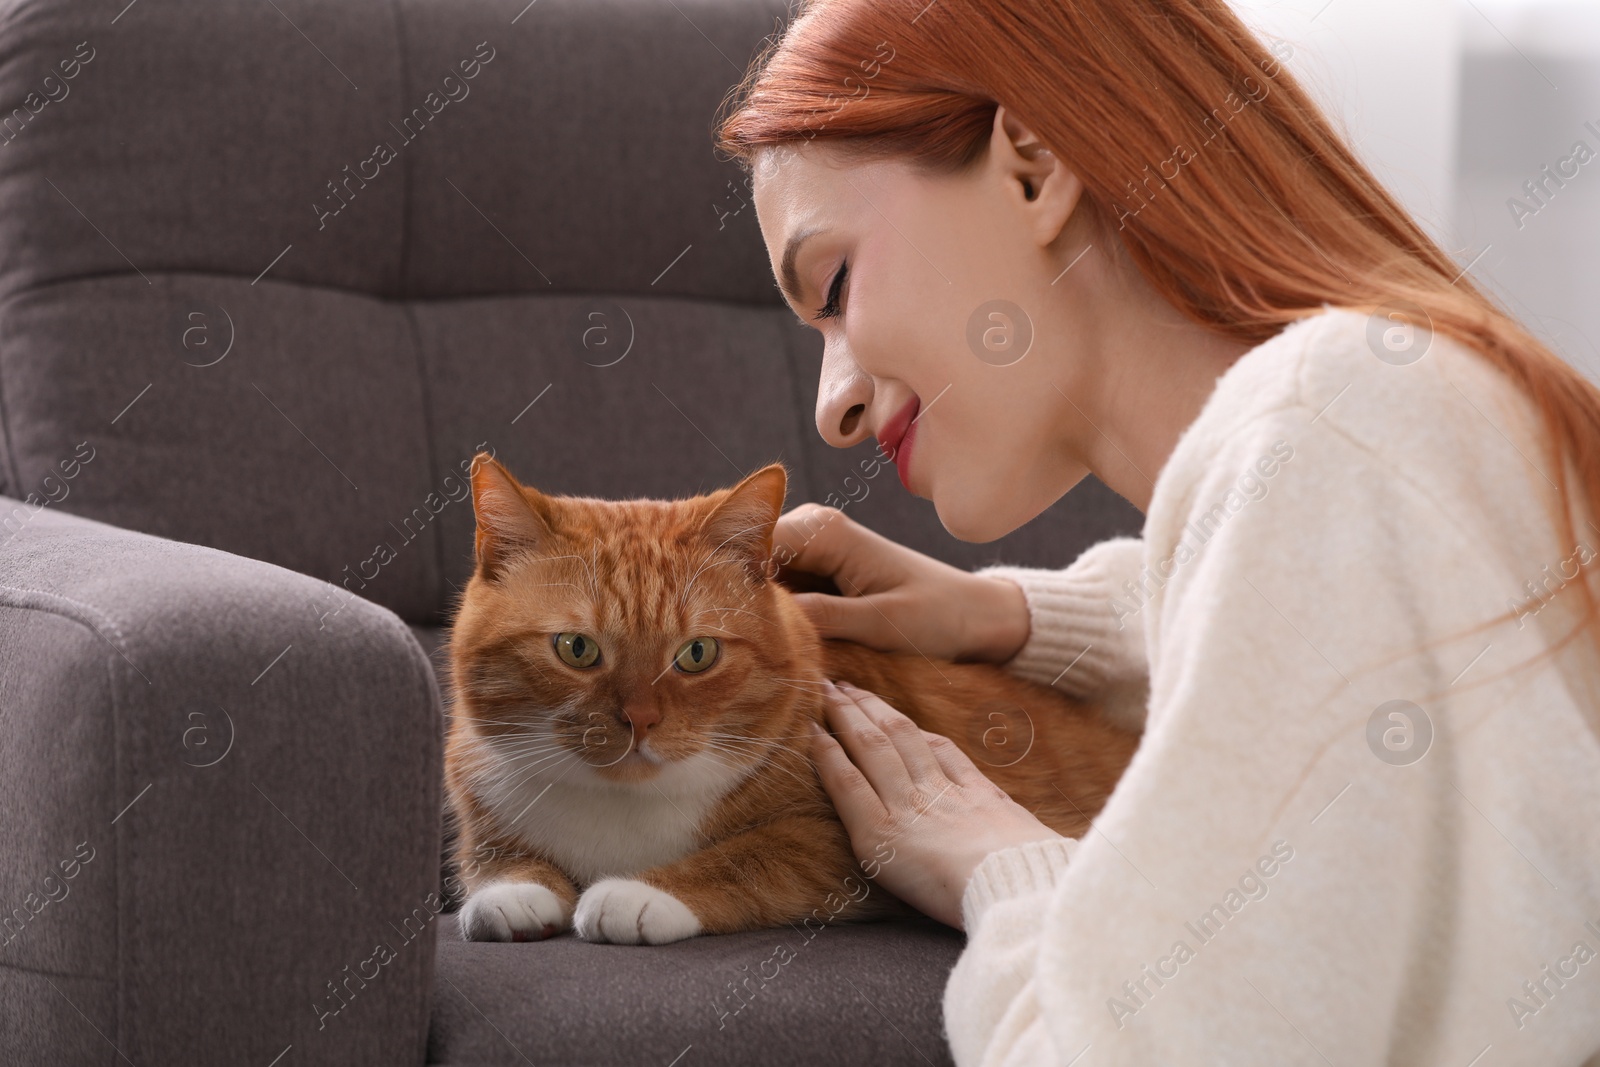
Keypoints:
pixel 1278 219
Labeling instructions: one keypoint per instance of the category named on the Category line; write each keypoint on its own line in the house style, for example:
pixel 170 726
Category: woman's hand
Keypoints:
pixel 895 599
pixel 920 814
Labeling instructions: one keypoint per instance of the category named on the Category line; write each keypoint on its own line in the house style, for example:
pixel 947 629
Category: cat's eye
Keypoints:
pixel 696 655
pixel 577 650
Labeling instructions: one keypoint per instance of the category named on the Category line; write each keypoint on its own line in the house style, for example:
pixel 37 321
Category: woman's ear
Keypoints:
pixel 1042 184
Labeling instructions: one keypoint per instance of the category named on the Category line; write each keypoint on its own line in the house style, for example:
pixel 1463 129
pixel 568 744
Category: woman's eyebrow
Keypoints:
pixel 788 277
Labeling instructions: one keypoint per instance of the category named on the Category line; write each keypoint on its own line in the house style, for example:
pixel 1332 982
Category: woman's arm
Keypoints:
pixel 1276 879
pixel 1086 627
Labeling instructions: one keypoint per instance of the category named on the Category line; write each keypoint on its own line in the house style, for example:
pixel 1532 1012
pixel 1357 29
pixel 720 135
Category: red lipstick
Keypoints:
pixel 895 438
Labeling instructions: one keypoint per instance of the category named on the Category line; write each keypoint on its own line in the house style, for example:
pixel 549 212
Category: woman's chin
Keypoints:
pixel 976 525
pixel 983 509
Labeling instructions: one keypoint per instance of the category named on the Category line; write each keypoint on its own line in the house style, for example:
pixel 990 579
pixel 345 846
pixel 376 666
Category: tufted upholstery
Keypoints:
pixel 177 205
pixel 277 268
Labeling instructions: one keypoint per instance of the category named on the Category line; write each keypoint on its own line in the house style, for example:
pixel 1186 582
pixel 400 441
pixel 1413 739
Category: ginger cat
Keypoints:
pixel 627 751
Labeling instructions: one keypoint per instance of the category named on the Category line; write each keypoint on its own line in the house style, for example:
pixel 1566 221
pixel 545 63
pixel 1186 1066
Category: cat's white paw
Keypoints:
pixel 626 912
pixel 513 911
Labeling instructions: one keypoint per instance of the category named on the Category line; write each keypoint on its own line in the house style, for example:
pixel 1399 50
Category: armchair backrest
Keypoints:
pixel 281 269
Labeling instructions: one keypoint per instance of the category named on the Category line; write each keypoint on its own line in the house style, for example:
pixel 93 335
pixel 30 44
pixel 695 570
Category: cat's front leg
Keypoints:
pixel 516 898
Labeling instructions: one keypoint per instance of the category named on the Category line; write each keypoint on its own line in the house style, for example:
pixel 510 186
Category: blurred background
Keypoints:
pixel 1459 105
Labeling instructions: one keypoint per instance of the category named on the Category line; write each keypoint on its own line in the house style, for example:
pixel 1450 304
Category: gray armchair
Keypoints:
pixel 270 273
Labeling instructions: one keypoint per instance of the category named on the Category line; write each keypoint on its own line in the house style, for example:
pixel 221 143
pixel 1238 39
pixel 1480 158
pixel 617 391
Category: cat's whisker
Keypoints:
pixel 711 561
pixel 799 688
pixel 510 755
pixel 746 747
pixel 526 768
pixel 767 769
pixel 738 611
pixel 514 739
pixel 524 779
pixel 769 762
pixel 530 722
pixel 533 760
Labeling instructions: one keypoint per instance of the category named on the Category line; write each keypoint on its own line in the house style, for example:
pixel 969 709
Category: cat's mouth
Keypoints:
pixel 634 756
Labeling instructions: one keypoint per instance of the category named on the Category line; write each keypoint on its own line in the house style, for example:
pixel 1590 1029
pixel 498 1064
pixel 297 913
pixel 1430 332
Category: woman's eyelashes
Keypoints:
pixel 831 308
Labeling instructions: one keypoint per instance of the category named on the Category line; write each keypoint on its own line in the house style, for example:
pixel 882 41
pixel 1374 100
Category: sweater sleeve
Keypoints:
pixel 1086 633
pixel 1273 880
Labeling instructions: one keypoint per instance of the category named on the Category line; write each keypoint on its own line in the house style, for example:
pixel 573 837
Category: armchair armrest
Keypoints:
pixel 220 800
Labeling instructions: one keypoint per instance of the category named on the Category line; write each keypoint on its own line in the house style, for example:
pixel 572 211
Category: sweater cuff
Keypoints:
pixel 1031 867
pixel 1083 636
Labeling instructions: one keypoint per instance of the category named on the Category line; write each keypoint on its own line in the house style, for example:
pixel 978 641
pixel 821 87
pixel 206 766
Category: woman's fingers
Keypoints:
pixel 956 764
pixel 812 537
pixel 887 746
pixel 852 795
pixel 851 618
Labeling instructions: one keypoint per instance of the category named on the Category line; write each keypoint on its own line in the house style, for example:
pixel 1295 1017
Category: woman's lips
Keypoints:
pixel 902 458
pixel 895 437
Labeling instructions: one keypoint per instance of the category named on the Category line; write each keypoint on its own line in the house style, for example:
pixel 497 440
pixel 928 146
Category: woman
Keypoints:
pixel 1043 238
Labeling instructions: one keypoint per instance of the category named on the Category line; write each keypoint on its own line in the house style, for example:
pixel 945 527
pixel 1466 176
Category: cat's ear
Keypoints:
pixel 508 521
pixel 743 521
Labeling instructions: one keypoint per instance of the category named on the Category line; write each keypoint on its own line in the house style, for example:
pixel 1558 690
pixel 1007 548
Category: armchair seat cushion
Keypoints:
pixel 838 994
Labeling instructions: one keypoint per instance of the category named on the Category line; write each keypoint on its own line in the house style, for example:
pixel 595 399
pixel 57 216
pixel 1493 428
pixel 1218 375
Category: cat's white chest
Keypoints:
pixel 593 833
pixel 598 830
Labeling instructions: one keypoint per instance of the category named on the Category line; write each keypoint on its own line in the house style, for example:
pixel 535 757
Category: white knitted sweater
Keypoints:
pixel 1294 869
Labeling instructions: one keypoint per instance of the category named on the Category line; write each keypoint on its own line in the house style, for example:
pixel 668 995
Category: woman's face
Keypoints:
pixel 961 303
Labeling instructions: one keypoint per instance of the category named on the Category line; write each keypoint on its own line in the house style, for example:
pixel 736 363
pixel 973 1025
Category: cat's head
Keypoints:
pixel 630 641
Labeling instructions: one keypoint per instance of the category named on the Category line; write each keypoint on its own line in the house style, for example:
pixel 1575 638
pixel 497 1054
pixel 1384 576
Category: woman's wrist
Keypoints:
pixel 1029 866
pixel 1001 625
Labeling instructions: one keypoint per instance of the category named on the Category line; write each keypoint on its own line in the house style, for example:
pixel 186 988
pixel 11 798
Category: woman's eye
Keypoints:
pixel 831 308
pixel 696 655
pixel 577 650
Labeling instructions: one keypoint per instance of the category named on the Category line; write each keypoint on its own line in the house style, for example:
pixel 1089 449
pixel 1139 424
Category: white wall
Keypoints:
pixel 1387 73
pixel 1455 104
pixel 1532 81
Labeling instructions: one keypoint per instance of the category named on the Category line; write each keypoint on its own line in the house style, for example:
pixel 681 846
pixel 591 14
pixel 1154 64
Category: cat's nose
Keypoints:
pixel 641 715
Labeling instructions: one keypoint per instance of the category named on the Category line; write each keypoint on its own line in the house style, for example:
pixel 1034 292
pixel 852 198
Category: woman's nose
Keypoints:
pixel 843 394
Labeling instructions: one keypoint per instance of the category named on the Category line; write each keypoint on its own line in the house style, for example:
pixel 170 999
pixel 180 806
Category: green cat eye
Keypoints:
pixel 696 655
pixel 577 650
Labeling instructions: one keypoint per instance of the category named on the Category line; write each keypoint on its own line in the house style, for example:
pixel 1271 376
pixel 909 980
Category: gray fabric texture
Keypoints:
pixel 216 797
pixel 278 396
pixel 837 995
pixel 260 376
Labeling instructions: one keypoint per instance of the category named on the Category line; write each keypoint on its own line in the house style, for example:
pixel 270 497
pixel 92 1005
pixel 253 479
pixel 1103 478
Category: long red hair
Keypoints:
pixel 1276 221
